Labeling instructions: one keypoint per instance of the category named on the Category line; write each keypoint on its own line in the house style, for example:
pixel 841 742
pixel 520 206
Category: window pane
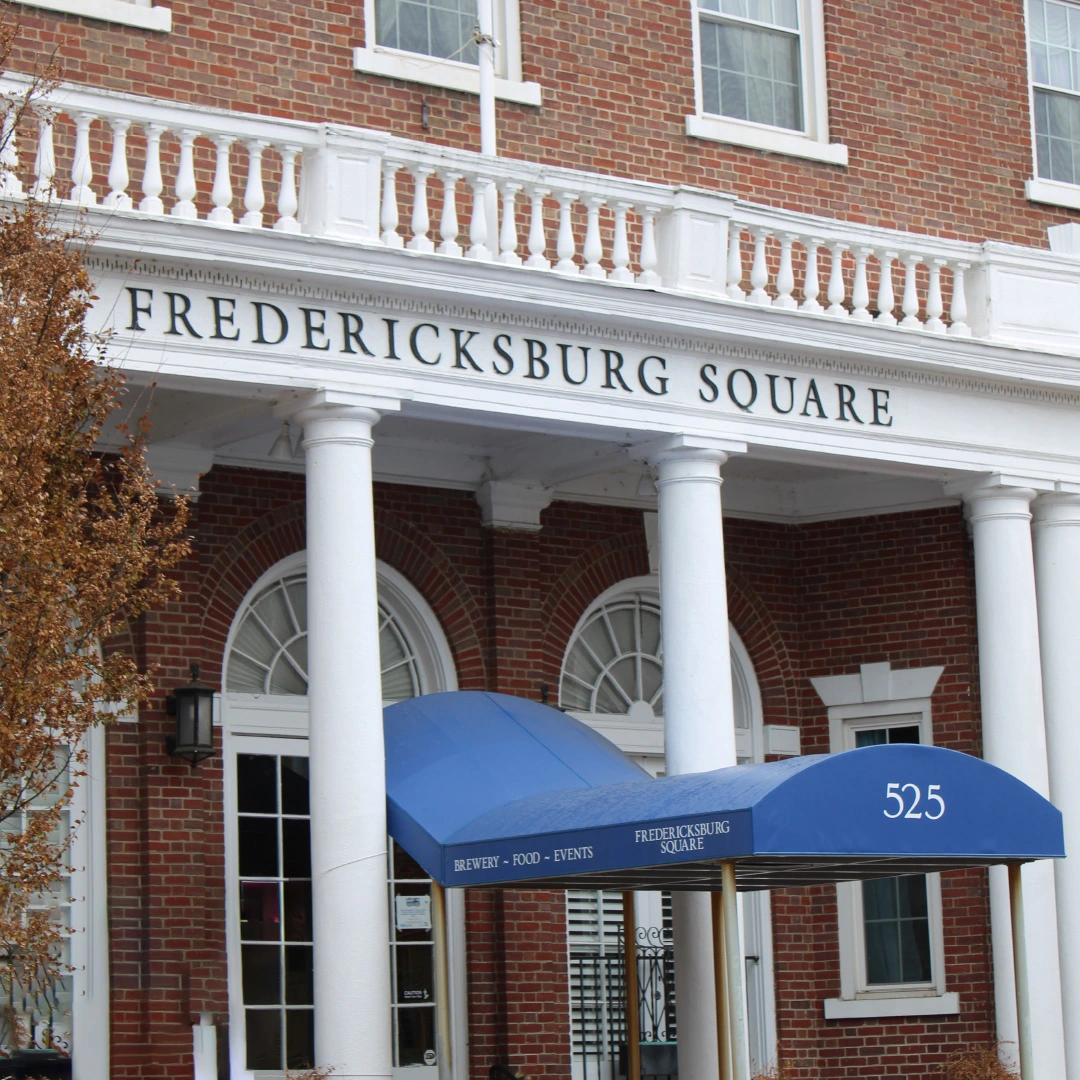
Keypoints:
pixel 263 1038
pixel 415 978
pixel 879 899
pixel 258 847
pixel 415 1034
pixel 440 28
pixel 299 978
pixel 300 1038
pixel 915 951
pixel 297 910
pixel 296 848
pixel 260 967
pixel 294 785
pixel 882 953
pixel 256 784
pixel 406 868
pixel 260 911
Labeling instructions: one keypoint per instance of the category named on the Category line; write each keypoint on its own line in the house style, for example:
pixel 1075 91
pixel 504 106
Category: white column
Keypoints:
pixel 348 793
pixel 1057 582
pixel 699 722
pixel 1010 680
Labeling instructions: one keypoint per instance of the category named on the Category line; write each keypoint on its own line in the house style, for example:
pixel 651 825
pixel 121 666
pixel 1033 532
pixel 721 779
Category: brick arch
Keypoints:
pixel 281 533
pixel 434 576
pixel 768 650
pixel 598 568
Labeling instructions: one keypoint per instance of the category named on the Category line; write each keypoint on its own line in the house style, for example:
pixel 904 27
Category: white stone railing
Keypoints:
pixel 144 157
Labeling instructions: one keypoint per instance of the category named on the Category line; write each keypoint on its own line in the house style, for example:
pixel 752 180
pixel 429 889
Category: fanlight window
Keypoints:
pixel 615 665
pixel 269 651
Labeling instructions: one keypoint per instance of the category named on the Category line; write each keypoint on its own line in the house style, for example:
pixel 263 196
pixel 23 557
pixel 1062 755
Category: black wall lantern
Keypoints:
pixel 193 707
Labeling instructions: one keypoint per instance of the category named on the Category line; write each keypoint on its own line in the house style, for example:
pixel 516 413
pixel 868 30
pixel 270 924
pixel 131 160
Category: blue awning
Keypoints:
pixel 491 790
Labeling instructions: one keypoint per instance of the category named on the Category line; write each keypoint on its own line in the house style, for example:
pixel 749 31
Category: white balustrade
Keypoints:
pixel 641 222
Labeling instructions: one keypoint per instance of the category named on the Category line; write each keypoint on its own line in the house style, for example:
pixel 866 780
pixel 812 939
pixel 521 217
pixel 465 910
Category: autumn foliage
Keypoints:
pixel 83 546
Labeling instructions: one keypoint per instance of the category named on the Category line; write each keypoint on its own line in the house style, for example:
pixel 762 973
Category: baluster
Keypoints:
pixel 811 284
pixel 82 170
pixel 785 277
pixel 537 238
pixel 221 195
pixel 565 246
pixel 254 195
pixel 934 305
pixel 860 290
pixel 10 185
pixel 388 213
pixel 185 188
pixel 620 248
pixel 733 272
pixel 885 298
pixel 478 221
pixel 835 295
pixel 593 249
pixel 45 159
pixel 421 216
pixel 958 312
pixel 508 237
pixel 152 183
pixel 287 202
pixel 759 271
pixel 119 177
pixel 647 259
pixel 448 225
pixel 910 303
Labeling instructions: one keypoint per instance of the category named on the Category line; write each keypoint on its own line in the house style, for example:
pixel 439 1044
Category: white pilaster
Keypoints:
pixel 1014 739
pixel 1056 530
pixel 348 794
pixel 699 718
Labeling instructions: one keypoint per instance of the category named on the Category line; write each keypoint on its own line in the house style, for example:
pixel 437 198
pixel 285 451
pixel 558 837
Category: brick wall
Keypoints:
pixel 931 98
pixel 812 600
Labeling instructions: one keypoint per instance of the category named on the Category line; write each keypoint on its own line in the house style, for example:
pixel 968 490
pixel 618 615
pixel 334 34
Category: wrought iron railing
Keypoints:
pixel 598 1005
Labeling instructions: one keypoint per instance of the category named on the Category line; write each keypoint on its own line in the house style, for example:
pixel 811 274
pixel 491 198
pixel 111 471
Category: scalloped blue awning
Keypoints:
pixel 491 790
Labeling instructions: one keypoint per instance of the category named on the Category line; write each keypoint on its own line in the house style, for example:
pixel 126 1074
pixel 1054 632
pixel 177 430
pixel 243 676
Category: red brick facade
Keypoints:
pixel 807 600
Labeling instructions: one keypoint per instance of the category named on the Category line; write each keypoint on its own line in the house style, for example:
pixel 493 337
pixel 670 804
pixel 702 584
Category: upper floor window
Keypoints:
pixel 431 42
pixel 1055 75
pixel 750 67
pixel 1054 60
pixel 761 77
pixel 144 14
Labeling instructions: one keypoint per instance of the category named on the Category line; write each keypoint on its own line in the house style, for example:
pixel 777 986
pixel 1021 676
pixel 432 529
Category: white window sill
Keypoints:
pixel 760 137
pixel 1053 192
pixel 114 11
pixel 870 1008
pixel 445 73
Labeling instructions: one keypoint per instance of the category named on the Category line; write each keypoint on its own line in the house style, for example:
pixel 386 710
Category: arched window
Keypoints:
pixel 613 680
pixel 269 890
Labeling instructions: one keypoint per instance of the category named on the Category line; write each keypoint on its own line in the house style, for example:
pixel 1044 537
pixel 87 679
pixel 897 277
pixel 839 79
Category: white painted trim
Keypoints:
pixel 124 12
pixel 814 142
pixel 446 73
pixel 90 908
pixel 1053 192
pixel 839 1009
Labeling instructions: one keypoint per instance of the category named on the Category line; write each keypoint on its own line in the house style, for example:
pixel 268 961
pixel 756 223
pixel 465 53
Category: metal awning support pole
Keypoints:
pixel 443 1046
pixel 633 1020
pixel 720 974
pixel 1020 971
pixel 740 1057
pixel 486 48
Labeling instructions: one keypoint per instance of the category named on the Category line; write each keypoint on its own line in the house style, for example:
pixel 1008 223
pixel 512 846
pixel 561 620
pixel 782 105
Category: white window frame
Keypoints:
pixel 1038 189
pixel 278 724
pixel 453 74
pixel 812 143
pixel 879 697
pixel 144 14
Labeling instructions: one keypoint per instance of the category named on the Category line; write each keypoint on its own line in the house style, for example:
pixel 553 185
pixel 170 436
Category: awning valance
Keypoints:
pixel 489 790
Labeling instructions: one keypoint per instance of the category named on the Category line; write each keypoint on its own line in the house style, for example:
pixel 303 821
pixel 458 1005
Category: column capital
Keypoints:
pixel 1053 508
pixel 326 404
pixel 684 447
pixel 997 496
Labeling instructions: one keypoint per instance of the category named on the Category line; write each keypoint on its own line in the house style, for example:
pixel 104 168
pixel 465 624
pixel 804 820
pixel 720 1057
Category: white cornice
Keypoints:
pixel 302 266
